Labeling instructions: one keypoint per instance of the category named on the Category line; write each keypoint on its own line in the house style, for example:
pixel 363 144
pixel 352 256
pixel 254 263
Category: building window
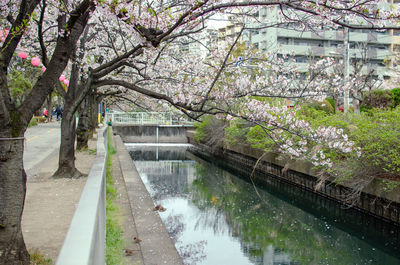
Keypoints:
pixel 305 42
pixel 283 41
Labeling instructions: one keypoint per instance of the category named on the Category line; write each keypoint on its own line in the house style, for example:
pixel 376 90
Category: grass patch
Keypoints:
pixel 92 151
pixel 39 259
pixel 33 122
pixel 114 241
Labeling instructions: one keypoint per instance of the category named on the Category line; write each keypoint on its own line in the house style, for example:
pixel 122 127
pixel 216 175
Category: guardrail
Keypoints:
pixel 85 240
pixel 141 118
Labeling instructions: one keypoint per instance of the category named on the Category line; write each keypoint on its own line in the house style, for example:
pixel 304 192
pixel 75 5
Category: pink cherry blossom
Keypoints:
pixel 61 78
pixel 66 82
pixel 43 68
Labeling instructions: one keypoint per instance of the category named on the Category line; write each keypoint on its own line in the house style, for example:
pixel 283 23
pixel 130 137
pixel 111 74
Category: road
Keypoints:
pixel 41 142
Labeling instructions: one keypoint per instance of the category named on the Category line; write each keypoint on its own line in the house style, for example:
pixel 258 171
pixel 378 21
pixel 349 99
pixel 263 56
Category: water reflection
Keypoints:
pixel 215 217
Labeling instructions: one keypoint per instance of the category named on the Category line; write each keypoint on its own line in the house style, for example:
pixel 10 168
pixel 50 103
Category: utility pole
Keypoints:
pixel 346 60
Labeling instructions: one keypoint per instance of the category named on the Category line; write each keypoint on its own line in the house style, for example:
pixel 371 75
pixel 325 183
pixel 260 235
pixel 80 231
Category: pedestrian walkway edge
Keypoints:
pixel 85 240
pixel 156 245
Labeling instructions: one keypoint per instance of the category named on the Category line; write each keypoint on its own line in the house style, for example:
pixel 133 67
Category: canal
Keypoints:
pixel 218 217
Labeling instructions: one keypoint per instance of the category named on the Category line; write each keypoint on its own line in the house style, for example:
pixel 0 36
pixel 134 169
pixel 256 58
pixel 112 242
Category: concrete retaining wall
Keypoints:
pixel 373 201
pixel 86 237
pixel 152 133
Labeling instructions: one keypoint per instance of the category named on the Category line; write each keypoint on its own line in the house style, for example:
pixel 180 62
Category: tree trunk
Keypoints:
pixel 356 103
pixel 93 123
pixel 66 162
pixel 72 99
pixel 49 108
pixel 12 196
pixel 356 106
pixel 336 100
pixel 82 133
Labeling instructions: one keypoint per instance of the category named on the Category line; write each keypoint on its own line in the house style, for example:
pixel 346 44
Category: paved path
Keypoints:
pixel 41 142
pixel 50 203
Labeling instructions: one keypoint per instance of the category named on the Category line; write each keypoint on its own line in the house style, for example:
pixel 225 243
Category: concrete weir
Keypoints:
pixel 152 133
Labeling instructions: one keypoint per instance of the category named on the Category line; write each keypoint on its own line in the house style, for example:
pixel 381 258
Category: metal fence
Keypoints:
pixel 141 118
pixel 85 240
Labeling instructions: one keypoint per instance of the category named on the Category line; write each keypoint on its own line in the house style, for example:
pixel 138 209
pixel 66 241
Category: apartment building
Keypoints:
pixel 395 47
pixel 374 47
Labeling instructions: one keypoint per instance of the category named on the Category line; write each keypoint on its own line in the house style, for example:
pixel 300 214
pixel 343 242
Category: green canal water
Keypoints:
pixel 216 217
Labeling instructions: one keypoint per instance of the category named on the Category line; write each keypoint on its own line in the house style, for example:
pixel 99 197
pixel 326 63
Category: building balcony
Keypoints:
pixel 337 35
pixel 378 70
pixel 376 54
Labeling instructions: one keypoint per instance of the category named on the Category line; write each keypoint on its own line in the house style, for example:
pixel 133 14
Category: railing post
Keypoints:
pixel 157 133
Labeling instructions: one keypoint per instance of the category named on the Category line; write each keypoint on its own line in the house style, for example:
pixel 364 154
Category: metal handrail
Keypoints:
pixel 142 118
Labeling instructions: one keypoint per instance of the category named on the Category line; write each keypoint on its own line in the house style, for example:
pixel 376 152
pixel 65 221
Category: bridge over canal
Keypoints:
pixel 151 127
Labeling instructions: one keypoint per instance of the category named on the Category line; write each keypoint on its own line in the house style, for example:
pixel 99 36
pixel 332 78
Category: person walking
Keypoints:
pixel 59 112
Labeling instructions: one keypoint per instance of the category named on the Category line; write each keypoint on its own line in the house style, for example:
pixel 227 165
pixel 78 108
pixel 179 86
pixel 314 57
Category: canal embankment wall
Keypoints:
pixel 373 200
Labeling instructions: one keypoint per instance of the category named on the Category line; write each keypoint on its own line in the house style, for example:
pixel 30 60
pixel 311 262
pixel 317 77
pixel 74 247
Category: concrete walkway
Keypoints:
pixel 41 143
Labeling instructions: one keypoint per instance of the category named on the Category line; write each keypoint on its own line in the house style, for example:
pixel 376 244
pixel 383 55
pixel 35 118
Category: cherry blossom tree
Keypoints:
pixel 247 93
pixel 15 119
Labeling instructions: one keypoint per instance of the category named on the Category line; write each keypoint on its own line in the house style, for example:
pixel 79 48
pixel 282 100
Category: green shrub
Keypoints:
pixel 312 112
pixel 324 106
pixel 381 99
pixel 332 102
pixel 258 139
pixel 365 108
pixel 236 132
pixel 395 97
pixel 377 135
pixel 211 131
pixel 202 129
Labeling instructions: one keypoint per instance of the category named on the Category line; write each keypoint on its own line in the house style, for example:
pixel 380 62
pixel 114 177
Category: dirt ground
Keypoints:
pixel 50 204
